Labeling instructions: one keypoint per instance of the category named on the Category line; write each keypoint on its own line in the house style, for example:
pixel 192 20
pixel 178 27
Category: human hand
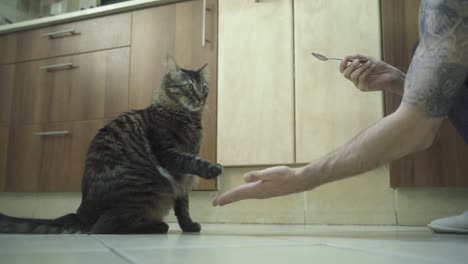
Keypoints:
pixel 267 183
pixel 374 75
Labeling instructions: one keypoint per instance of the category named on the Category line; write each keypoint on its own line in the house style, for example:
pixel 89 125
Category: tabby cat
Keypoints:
pixel 140 165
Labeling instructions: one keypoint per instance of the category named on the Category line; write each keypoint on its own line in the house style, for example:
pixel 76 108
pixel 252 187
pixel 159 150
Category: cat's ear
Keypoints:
pixel 172 69
pixel 204 72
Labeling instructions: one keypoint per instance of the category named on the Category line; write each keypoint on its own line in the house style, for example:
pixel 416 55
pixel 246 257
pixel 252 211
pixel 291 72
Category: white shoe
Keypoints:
pixel 451 224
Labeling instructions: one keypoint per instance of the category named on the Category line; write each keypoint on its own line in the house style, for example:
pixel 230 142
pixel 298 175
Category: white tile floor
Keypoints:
pixel 244 244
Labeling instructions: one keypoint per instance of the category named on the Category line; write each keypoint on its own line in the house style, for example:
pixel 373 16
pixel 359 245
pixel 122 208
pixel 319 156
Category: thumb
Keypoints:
pixel 253 176
pixel 264 175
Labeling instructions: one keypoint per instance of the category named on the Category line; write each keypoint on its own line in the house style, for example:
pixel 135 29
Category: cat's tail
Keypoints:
pixel 66 224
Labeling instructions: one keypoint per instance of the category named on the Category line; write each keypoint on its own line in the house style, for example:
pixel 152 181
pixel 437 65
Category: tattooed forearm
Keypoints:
pixel 440 63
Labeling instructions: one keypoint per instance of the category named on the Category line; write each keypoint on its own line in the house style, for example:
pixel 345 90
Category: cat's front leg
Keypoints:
pixel 186 163
pixel 181 210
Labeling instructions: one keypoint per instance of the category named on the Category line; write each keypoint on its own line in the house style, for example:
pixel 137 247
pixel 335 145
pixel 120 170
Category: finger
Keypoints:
pixel 357 73
pixel 366 73
pixel 350 69
pixel 344 64
pixel 360 57
pixel 246 191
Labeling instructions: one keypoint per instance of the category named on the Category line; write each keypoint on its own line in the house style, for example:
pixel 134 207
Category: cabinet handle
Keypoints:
pixel 61 66
pixel 61 33
pixel 204 40
pixel 51 133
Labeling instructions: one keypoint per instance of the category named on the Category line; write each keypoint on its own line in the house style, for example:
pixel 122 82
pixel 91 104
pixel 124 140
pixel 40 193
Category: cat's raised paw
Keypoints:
pixel 214 170
pixel 191 228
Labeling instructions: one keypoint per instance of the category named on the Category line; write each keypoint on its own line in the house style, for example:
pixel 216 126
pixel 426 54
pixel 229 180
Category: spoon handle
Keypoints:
pixel 360 61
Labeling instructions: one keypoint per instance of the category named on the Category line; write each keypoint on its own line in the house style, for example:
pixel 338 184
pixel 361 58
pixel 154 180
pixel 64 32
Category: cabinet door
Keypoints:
pixel 4 131
pixel 175 29
pixel 7 74
pixel 329 110
pixel 81 87
pixel 255 83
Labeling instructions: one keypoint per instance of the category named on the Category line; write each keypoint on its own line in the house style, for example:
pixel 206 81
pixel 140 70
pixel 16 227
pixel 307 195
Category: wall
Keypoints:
pixel 21 10
pixel 364 199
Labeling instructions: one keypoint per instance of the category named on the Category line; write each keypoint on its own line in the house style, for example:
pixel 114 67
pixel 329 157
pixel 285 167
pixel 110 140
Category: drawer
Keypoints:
pixel 49 157
pixel 81 87
pixel 76 37
pixel 8 48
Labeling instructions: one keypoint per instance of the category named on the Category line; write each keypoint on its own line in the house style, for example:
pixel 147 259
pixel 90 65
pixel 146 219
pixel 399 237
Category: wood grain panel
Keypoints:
pixel 24 159
pixel 7 77
pixel 188 51
pixel 445 163
pixel 95 88
pixel 330 111
pixel 55 158
pixel 94 34
pixel 153 36
pixel 33 91
pixel 99 88
pixel 255 83
pixel 82 134
pixel 8 46
pixel 4 132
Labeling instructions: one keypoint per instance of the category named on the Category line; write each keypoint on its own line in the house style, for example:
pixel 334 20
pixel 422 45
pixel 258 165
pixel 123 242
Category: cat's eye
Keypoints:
pixel 188 86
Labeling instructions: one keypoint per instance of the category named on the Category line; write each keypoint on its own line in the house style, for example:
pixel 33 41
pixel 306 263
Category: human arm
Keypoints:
pixel 432 83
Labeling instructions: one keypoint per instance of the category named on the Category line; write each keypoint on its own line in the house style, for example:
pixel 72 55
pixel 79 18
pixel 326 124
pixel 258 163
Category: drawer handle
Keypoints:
pixel 52 133
pixel 61 33
pixel 205 9
pixel 61 66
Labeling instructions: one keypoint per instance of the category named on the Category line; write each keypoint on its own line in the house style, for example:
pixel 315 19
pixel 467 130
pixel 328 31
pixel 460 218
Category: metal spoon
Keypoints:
pixel 325 58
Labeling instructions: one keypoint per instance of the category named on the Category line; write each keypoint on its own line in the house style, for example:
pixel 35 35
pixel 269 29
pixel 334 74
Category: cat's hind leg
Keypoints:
pixel 181 209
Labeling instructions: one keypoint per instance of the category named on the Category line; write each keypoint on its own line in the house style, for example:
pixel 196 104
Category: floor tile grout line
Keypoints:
pixel 122 255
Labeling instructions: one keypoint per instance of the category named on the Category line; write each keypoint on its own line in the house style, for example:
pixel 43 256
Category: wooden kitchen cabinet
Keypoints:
pixel 176 30
pixel 8 47
pixel 7 76
pixel 444 164
pixel 7 73
pixel 329 110
pixel 4 132
pixel 24 159
pixel 255 83
pixel 75 37
pixel 93 86
pixel 50 157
